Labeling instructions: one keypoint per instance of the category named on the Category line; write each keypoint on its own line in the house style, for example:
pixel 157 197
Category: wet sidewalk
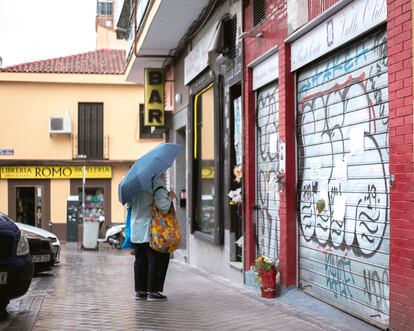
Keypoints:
pixel 94 291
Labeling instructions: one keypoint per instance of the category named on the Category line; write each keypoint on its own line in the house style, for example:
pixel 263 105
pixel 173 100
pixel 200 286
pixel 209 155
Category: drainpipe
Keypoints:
pixel 136 36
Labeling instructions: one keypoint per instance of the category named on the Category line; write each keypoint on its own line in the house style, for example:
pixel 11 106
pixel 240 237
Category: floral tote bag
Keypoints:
pixel 164 231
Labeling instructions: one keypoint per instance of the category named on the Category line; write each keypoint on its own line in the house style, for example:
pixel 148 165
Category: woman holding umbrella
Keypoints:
pixel 141 188
pixel 150 267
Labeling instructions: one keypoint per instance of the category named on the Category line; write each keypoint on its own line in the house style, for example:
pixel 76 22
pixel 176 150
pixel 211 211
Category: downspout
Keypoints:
pixel 136 36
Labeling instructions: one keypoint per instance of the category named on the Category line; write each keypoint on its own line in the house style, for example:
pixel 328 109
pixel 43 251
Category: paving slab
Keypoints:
pixel 92 290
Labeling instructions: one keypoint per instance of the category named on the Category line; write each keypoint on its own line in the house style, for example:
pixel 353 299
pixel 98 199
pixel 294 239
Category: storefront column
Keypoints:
pixel 249 172
pixel 288 217
pixel 400 108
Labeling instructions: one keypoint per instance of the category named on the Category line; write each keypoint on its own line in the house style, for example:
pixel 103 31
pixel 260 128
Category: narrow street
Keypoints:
pixel 94 291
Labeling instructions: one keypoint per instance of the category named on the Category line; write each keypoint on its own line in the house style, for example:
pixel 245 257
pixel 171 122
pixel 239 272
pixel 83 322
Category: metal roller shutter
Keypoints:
pixel 267 165
pixel 343 162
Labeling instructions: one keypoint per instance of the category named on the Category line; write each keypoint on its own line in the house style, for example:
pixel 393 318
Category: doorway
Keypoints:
pixel 29 202
pixel 25 205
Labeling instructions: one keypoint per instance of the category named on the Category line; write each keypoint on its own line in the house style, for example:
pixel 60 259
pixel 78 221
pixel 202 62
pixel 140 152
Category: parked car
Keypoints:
pixel 16 267
pixel 40 252
pixel 45 234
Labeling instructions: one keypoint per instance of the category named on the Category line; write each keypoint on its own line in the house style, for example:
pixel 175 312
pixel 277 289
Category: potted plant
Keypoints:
pixel 266 270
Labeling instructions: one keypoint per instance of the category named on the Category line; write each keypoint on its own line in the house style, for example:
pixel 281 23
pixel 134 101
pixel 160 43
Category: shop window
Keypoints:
pixel 259 11
pixel 94 203
pixel 206 170
pixel 90 130
pixel 236 163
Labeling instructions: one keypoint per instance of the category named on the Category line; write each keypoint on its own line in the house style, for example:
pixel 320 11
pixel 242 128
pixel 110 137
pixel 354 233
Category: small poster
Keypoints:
pixel 282 157
pixel 315 169
pixel 273 143
pixel 356 141
pixel 238 128
pixel 341 170
pixel 323 193
pixel 339 208
pixel 272 185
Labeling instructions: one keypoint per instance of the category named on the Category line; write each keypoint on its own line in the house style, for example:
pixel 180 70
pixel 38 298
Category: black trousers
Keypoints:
pixel 150 268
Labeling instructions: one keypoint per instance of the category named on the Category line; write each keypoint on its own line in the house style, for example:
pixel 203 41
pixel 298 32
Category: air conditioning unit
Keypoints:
pixel 60 125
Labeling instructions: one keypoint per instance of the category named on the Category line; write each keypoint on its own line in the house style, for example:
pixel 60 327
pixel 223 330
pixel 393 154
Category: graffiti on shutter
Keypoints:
pixel 343 164
pixel 267 163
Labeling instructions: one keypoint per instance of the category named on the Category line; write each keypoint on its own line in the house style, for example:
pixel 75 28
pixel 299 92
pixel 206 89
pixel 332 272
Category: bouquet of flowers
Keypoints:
pixel 263 263
pixel 266 270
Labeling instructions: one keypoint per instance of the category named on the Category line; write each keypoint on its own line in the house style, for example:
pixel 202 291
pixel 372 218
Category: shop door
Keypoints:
pixel 267 164
pixel 343 165
pixel 29 205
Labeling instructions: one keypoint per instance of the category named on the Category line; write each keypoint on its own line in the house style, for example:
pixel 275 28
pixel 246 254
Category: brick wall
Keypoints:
pixel 316 7
pixel 274 32
pixel 288 206
pixel 399 29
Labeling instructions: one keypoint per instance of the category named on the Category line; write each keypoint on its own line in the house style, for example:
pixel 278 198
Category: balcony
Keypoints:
pixel 75 150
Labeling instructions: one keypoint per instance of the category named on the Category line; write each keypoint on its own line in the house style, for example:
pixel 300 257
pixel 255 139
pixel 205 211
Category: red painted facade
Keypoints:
pixel 274 31
pixel 316 7
pixel 399 43
pixel 400 89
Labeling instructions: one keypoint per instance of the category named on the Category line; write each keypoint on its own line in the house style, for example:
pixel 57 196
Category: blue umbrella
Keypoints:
pixel 140 175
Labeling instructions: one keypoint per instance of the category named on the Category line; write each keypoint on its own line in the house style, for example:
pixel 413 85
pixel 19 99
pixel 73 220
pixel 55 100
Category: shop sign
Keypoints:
pixel 266 72
pixel 54 172
pixel 353 20
pixel 154 97
pixel 207 173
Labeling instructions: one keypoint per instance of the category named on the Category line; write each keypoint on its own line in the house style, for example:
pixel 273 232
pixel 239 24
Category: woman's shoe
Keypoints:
pixel 141 295
pixel 156 296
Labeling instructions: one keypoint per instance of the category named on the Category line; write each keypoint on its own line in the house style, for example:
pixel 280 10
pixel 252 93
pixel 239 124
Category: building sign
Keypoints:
pixel 207 173
pixel 197 60
pixel 154 97
pixel 266 71
pixel 6 151
pixel 353 20
pixel 54 172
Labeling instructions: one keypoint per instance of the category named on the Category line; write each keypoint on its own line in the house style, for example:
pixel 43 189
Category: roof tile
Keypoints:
pixel 102 61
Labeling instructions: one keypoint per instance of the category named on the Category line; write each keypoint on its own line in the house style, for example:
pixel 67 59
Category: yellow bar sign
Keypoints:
pixel 54 172
pixel 154 97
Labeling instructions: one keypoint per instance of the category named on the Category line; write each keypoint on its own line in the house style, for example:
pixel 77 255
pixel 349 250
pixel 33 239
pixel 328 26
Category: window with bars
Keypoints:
pixel 90 130
pixel 104 8
pixel 259 11
pixel 230 32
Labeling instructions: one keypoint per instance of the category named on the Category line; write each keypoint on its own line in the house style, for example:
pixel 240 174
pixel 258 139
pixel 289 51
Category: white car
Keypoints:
pixel 45 234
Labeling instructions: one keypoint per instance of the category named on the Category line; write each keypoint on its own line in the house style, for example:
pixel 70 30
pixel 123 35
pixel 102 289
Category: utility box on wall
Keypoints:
pixel 59 125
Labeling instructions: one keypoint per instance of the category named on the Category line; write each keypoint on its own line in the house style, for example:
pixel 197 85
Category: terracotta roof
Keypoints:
pixel 102 61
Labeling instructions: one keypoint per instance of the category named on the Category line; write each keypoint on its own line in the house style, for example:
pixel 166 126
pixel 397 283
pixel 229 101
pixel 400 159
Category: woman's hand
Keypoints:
pixel 171 195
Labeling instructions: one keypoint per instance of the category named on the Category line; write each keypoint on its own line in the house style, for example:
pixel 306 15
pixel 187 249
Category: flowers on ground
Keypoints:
pixel 263 263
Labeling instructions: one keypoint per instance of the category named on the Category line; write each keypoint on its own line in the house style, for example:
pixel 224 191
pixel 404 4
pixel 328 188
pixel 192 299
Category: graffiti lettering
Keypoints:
pixel 338 275
pixel 376 288
pixel 332 135
pixel 267 194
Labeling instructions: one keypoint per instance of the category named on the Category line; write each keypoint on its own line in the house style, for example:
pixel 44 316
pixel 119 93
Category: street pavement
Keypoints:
pixel 94 291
